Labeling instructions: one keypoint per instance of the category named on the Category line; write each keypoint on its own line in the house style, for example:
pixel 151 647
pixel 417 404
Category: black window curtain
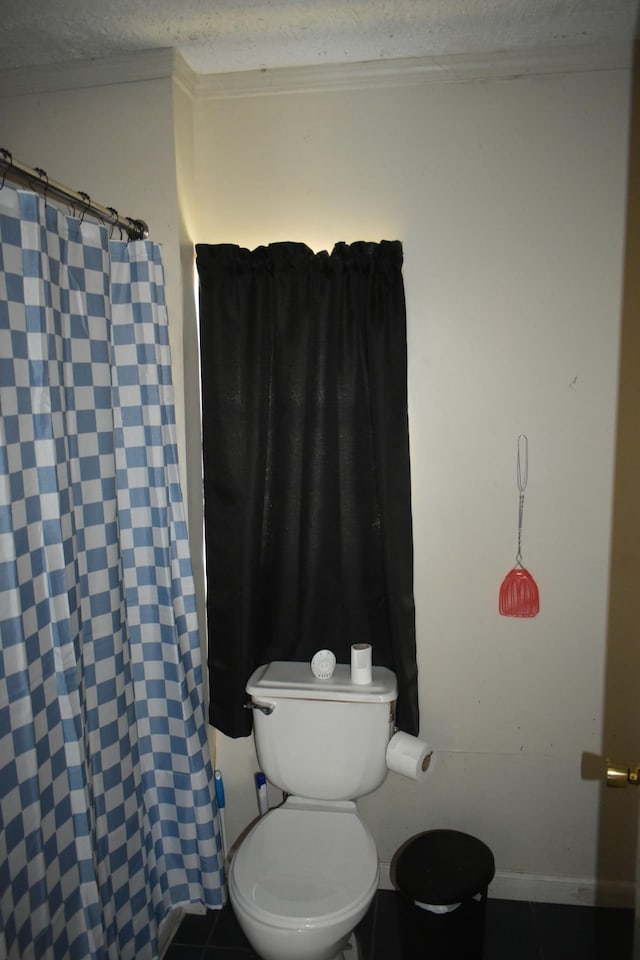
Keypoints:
pixel 306 464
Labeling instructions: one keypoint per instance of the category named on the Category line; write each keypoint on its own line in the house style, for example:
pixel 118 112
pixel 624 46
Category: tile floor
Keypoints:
pixel 514 930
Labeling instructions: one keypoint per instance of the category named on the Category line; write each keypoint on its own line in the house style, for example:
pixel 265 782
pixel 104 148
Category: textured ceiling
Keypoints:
pixel 218 36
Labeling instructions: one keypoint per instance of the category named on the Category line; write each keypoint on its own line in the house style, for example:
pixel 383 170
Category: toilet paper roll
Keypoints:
pixel 361 663
pixel 409 756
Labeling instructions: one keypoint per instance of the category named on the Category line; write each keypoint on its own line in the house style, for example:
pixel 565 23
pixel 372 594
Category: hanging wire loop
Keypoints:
pixel 522 470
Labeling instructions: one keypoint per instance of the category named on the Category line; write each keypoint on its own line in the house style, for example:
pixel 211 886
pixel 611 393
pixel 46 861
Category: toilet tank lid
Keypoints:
pixel 284 678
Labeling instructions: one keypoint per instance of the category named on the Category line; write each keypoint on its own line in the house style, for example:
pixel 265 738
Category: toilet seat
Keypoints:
pixel 305 864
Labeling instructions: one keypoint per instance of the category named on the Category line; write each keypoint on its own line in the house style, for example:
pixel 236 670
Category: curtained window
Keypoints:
pixel 306 463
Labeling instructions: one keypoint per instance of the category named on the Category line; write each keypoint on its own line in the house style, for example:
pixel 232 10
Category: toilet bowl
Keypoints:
pixel 303 878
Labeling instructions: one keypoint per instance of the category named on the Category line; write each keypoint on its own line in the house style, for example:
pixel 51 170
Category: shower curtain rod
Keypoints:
pixel 36 178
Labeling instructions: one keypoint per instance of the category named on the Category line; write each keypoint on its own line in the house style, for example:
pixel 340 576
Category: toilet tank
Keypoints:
pixel 322 739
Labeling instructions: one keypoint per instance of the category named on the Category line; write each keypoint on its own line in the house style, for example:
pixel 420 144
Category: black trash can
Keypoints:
pixel 442 877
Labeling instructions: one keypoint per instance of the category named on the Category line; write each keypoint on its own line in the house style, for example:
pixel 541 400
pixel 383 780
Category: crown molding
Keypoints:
pixel 455 68
pixel 78 74
pixel 168 63
pixel 183 74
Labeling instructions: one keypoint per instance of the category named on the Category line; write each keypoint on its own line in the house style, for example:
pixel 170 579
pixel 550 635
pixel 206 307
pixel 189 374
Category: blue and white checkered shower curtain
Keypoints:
pixel 107 805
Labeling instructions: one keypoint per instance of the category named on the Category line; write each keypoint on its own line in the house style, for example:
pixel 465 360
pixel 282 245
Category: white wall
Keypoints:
pixel 509 198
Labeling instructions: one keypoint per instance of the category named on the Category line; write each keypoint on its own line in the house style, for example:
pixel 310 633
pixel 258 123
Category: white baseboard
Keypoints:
pixel 578 891
pixel 539 889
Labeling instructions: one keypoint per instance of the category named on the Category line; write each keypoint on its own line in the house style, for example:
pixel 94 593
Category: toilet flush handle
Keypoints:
pixel 264 706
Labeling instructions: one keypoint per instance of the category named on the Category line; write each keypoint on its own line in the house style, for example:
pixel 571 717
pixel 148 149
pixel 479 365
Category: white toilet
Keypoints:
pixel 306 873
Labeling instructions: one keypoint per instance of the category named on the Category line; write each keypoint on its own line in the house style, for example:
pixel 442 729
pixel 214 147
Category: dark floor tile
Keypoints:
pixel 510 931
pixel 195 928
pixel 592 933
pixel 386 929
pixel 394 929
pixel 365 929
pixel 227 932
pixel 182 951
pixel 228 953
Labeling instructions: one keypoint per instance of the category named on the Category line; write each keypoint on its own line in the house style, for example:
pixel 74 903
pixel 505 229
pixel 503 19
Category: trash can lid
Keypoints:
pixel 444 867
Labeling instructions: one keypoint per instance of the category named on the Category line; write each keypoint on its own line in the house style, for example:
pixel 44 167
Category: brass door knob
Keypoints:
pixel 621 775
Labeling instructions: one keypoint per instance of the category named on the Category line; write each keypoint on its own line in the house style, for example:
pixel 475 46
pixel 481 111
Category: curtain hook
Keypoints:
pixel 43 176
pixel 114 215
pixel 87 201
pixel 7 159
pixel 131 232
